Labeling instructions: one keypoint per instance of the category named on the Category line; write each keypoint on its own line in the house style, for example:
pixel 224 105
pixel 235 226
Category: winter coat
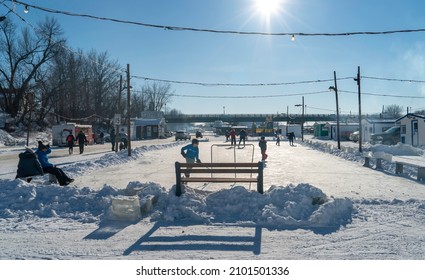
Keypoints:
pixel 191 151
pixel 81 138
pixel 263 145
pixel 242 134
pixel 28 165
pixel 42 157
pixel 70 138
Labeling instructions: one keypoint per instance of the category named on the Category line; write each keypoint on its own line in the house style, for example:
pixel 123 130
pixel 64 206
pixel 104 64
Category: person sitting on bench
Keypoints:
pixel 28 165
pixel 42 152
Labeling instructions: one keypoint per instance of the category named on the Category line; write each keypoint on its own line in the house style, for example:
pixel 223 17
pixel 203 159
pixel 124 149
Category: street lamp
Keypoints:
pixel 302 121
pixel 335 88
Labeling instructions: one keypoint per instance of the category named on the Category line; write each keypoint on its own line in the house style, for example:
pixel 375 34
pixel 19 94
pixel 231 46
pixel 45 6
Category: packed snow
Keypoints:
pixel 319 203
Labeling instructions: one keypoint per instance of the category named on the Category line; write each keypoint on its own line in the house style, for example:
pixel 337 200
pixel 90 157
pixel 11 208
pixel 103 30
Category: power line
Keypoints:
pixel 392 79
pixel 248 96
pixel 239 84
pixel 386 95
pixel 178 28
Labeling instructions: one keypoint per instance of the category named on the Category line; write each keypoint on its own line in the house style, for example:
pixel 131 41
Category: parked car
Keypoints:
pixel 355 136
pixel 198 134
pixel 390 136
pixel 182 135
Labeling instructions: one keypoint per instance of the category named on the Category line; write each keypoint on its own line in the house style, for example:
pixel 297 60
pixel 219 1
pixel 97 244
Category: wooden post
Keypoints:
pixel 128 112
pixel 260 177
pixel 178 179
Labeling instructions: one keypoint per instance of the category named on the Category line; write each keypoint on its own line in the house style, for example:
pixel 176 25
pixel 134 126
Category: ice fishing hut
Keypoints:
pixel 375 126
pixel 412 130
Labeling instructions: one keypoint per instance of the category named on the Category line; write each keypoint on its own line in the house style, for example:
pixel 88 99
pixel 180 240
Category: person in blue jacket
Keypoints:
pixel 42 152
pixel 191 153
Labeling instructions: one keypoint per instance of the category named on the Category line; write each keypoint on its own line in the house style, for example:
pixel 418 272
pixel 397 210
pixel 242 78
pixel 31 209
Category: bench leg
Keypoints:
pixel 398 168
pixel 378 163
pixel 366 162
pixel 260 178
pixel 178 180
pixel 421 173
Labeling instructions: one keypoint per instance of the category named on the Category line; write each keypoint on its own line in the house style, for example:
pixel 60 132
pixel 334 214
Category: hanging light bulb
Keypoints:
pixel 293 38
pixel 26 9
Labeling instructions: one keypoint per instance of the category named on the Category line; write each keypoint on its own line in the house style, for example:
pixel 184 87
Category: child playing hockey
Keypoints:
pixel 263 146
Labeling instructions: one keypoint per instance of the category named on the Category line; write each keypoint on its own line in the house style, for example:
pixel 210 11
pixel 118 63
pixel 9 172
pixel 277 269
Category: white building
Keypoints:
pixel 345 129
pixel 370 126
pixel 412 130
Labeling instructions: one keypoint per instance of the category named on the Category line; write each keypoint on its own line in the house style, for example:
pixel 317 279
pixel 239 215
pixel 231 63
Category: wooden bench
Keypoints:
pixel 399 163
pixel 219 168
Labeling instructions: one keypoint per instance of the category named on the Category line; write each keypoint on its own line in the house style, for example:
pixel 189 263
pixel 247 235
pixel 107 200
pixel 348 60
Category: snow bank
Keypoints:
pixel 280 207
pixel 291 206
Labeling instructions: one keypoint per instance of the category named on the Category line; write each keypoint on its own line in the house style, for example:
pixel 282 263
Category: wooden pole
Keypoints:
pixel 360 110
pixel 128 112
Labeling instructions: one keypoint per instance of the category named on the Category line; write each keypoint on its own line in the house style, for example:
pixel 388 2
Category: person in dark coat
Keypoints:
pixel 242 137
pixel 70 140
pixel 42 152
pixel 113 135
pixel 82 140
pixel 28 165
pixel 263 147
pixel 291 137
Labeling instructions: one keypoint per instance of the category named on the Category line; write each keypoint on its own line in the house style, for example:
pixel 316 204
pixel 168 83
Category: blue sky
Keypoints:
pixel 245 59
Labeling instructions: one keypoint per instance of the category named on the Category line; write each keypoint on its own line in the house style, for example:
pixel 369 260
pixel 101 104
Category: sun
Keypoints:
pixel 267 7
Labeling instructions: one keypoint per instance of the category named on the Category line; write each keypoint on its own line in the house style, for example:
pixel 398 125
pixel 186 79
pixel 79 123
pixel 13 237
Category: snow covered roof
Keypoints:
pixel 143 122
pixel 410 116
pixel 376 121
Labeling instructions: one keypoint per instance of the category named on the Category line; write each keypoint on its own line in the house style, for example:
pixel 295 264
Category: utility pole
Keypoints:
pixel 287 119
pixel 119 111
pixel 302 119
pixel 335 88
pixel 128 112
pixel 360 109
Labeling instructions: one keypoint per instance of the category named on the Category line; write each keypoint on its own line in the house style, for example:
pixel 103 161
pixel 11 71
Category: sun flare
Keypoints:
pixel 267 7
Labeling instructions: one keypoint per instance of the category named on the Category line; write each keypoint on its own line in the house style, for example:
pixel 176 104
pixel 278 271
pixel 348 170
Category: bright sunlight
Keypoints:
pixel 268 7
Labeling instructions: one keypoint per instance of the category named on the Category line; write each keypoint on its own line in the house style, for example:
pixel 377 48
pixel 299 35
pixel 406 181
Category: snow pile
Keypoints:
pixel 292 206
pixel 6 139
pixel 20 199
pixel 398 150
pixel 280 207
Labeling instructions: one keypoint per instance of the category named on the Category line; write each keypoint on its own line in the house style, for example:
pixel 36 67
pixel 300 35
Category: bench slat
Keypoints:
pixel 222 164
pixel 227 171
pixel 219 180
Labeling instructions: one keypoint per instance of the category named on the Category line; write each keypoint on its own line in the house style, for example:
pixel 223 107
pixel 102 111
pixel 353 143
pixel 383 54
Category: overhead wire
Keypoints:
pixel 179 28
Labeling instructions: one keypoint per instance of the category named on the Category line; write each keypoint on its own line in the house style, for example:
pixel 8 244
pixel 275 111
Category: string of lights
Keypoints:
pixel 239 84
pixel 178 28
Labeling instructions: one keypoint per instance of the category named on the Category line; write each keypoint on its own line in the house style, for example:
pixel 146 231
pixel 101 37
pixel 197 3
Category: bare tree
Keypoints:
pixel 22 57
pixel 393 111
pixel 157 94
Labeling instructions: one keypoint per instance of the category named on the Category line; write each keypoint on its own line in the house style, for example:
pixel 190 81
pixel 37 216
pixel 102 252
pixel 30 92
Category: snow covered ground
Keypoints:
pixel 320 204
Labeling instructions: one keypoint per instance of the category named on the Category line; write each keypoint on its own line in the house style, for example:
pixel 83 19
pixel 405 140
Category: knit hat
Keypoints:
pixel 41 146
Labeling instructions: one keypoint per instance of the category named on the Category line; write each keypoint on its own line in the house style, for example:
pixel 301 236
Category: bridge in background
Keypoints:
pixel 237 118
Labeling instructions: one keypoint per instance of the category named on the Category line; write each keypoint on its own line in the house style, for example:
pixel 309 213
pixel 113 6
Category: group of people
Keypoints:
pixel 37 163
pixel 81 139
pixel 243 136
